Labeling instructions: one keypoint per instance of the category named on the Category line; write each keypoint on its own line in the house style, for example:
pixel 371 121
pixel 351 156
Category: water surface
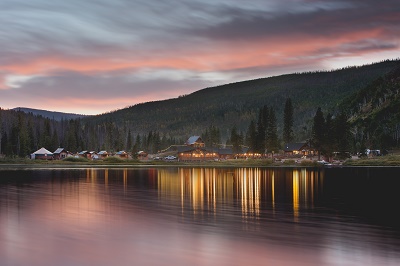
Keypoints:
pixel 199 216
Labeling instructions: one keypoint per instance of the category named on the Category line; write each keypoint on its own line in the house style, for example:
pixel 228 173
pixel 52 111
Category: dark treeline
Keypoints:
pixel 22 134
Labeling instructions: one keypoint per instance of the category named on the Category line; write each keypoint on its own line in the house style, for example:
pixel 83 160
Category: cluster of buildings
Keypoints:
pixel 193 150
pixel 196 150
pixel 62 153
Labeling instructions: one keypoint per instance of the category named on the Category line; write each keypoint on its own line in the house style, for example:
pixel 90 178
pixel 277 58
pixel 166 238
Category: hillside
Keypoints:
pixel 374 111
pixel 238 103
pixel 58 116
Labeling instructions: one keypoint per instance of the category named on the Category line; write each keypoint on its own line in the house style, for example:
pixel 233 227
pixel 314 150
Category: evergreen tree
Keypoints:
pixel 236 140
pixel 342 133
pixel 260 142
pixel 272 133
pixel 138 142
pixel 318 133
pixel 1 132
pixel 329 141
pixel 46 134
pixel 265 121
pixel 55 143
pixel 129 141
pixel 251 136
pixel 288 121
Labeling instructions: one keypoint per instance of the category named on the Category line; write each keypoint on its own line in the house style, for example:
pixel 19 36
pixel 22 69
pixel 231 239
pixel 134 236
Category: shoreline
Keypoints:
pixel 175 165
pixel 382 161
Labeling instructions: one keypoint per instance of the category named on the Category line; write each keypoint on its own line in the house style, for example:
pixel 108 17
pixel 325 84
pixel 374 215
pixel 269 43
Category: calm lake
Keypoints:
pixel 199 216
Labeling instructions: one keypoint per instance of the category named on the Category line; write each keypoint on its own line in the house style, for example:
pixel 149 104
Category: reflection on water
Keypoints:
pixel 199 216
pixel 252 188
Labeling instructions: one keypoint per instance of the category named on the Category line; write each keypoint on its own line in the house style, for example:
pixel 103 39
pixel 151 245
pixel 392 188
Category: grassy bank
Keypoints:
pixel 113 161
pixel 392 160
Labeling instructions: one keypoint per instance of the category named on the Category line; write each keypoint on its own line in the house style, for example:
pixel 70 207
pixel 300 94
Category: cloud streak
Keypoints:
pixel 95 56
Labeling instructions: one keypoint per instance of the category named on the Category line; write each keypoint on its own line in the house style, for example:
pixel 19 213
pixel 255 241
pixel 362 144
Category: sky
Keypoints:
pixel 95 56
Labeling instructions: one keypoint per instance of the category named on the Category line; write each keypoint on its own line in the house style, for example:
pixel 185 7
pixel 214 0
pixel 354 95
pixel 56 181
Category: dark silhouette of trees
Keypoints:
pixel 288 121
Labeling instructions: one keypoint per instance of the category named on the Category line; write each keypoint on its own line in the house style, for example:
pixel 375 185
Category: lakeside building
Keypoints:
pixel 42 154
pixel 298 148
pixel 60 154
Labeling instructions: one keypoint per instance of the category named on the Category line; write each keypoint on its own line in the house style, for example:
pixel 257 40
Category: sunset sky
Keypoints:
pixel 94 56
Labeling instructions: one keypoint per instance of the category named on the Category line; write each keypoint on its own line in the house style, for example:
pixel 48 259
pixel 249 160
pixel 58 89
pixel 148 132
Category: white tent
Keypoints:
pixel 41 153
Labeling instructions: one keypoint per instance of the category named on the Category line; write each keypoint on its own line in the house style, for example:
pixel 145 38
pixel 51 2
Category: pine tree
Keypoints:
pixel 318 133
pixel 342 133
pixel 288 121
pixel 260 144
pixel 235 140
pixel 272 133
pixel 1 131
pixel 251 136
pixel 129 141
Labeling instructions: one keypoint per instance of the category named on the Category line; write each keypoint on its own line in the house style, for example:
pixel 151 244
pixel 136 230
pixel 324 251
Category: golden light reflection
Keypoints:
pixel 296 194
pixel 125 179
pixel 253 189
pixel 273 191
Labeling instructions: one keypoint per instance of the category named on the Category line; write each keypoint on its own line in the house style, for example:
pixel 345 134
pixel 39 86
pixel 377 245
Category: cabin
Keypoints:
pixel 141 155
pixel 299 148
pixel 42 154
pixel 195 141
pixel 102 154
pixel 192 153
pixel 60 154
pixel 85 154
pixel 224 153
pixel 122 154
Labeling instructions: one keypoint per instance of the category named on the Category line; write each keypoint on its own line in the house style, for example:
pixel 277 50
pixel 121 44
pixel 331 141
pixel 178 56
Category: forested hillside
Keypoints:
pixel 374 112
pixel 238 103
pixel 248 112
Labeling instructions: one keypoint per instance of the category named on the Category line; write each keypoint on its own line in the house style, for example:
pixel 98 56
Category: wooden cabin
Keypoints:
pixel 85 154
pixel 141 155
pixel 60 154
pixel 195 141
pixel 102 154
pixel 300 148
pixel 191 153
pixel 122 154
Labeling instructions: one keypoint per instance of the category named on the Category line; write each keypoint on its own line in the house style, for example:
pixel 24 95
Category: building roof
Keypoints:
pixel 225 151
pixel 121 153
pixel 193 139
pixel 185 148
pixel 295 146
pixel 59 150
pixel 102 152
pixel 42 151
pixel 83 152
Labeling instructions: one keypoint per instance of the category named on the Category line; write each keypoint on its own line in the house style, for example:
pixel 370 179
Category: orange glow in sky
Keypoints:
pixel 94 62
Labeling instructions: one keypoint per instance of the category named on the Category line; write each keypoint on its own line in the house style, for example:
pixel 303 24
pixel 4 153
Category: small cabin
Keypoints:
pixel 195 141
pixel 103 154
pixel 60 154
pixel 142 155
pixel 122 154
pixel 84 154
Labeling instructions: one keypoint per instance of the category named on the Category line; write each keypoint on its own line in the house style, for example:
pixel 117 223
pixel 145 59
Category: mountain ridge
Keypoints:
pixel 58 116
pixel 237 103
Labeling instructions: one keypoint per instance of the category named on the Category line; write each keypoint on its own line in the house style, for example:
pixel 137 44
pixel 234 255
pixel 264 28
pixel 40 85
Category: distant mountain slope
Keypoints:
pixel 58 116
pixel 375 111
pixel 238 103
